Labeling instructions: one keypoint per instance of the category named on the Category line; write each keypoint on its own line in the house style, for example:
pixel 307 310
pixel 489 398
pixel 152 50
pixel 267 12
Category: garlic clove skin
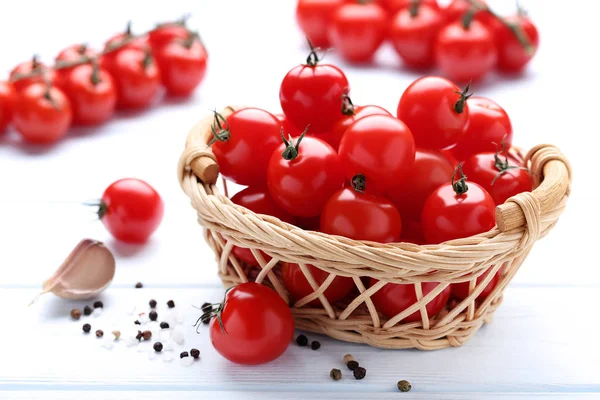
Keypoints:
pixel 87 271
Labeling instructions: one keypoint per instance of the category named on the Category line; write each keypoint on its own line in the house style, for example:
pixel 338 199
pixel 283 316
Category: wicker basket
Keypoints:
pixel 521 221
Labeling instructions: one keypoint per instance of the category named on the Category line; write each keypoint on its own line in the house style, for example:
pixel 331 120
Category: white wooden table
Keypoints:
pixel 542 342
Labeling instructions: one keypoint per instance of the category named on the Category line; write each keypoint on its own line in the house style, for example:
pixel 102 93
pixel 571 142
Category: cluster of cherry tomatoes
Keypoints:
pixel 86 86
pixel 357 171
pixel 465 39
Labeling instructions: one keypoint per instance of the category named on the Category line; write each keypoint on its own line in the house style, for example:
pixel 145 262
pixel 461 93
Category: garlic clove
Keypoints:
pixel 87 271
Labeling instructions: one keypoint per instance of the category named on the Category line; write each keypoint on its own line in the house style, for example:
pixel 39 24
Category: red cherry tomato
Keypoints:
pixel 413 32
pixel 182 65
pixel 92 93
pixel 165 34
pixel 499 178
pixel 448 153
pixel 380 147
pixel 131 210
pixel 314 16
pixel 76 52
pixel 303 174
pixel 461 290
pixel 435 110
pixel 244 144
pixel 136 77
pixel 393 6
pixel 458 8
pixel 457 210
pixel 41 74
pixel 311 94
pixel 393 298
pixel 309 223
pixel 410 191
pixel 488 125
pixel 465 52
pixel 412 232
pixel 297 285
pixel 121 41
pixel 288 127
pixel 42 114
pixel 259 200
pixel 7 100
pixel 357 30
pixel 512 55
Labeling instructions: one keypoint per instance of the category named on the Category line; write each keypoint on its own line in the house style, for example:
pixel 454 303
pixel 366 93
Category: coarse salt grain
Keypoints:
pixel 179 317
pixel 168 345
pixel 186 361
pixel 108 342
pixel 168 357
pixel 97 312
pixel 164 335
pixel 178 336
pixel 143 318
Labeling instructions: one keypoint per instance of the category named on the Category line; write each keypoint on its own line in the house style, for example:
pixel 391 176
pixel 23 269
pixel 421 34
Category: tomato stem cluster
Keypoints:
pixel 502 165
pixel 222 135
pixel 359 183
pixel 347 105
pixel 291 150
pixel 459 106
pixel 460 186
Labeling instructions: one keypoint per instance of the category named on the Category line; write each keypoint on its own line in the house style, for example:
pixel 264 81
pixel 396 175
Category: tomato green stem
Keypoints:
pixel 413 8
pixel 464 95
pixel 460 186
pixel 359 183
pixel 292 149
pixel 222 135
pixel 347 105
pixel 82 48
pixel 101 206
pixel 147 61
pixel 467 19
pixel 313 58
pixel 502 165
pixel 95 78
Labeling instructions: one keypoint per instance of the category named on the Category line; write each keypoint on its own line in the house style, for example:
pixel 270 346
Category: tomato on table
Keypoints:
pixel 30 72
pixel 252 326
pixel 131 210
pixel 243 144
pixel 136 76
pixel 436 112
pixel 42 114
pixel 297 285
pixel 513 55
pixel 7 100
pixel 314 17
pixel 73 53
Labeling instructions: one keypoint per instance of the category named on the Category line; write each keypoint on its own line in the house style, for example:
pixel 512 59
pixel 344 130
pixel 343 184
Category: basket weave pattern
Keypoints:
pixel 521 221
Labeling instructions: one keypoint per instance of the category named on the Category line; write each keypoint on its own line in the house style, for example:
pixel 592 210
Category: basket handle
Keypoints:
pixel 552 176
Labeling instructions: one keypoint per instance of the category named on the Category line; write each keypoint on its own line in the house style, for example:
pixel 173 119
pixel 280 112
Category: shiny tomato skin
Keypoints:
pixel 489 125
pixel 258 200
pixel 427 107
pixel 182 68
pixel 92 103
pixel 312 95
pixel 357 30
pixel 380 147
pixel 7 103
pixel 137 85
pixel 40 120
pixel 108 57
pixel 413 37
pixel 449 154
pixel 76 52
pixel 465 54
pixel 457 9
pixel 166 34
pixel 480 169
pixel 410 191
pixel 447 215
pixel 339 128
pixel 257 325
pixel 297 285
pixel 412 232
pixel 288 127
pixel 461 290
pixel 395 298
pixel 28 67
pixel 512 56
pixel 131 210
pixel 393 6
pixel 314 17
pixel 303 185
pixel 244 157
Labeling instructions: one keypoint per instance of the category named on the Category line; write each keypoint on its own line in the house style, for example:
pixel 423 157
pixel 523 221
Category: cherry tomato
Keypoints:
pixel 461 290
pixel 244 144
pixel 465 52
pixel 136 77
pixel 92 93
pixel 309 223
pixel 357 30
pixel 288 127
pixel 412 232
pixel 131 210
pixel 167 33
pixel 40 74
pixel 512 55
pixel 458 8
pixel 413 32
pixel 7 100
pixel 302 175
pixel 380 147
pixel 500 179
pixel 435 110
pixel 252 326
pixel 393 298
pixel 259 200
pixel 121 41
pixel 410 191
pixel 393 6
pixel 457 210
pixel 311 94
pixel 182 65
pixel 488 125
pixel 297 285
pixel 42 114
pixel 448 153
pixel 76 52
pixel 314 16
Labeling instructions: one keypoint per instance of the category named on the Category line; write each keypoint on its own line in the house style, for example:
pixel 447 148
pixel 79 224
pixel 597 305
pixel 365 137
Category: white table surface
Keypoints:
pixel 542 342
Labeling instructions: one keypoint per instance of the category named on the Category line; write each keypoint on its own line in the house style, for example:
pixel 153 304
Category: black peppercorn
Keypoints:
pixel 139 335
pixel 360 373
pixel 302 340
pixel 87 310
pixel 153 315
pixel 335 374
pixel 139 285
pixel 152 303
pixel 98 304
pixel 164 325
pixel 184 354
pixel 352 365
pixel 76 313
pixel 137 322
pixel 147 335
pixel 404 386
pixel 206 307
pixel 315 345
pixel 86 328
pixel 99 333
pixel 195 353
pixel 170 303
pixel 158 347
